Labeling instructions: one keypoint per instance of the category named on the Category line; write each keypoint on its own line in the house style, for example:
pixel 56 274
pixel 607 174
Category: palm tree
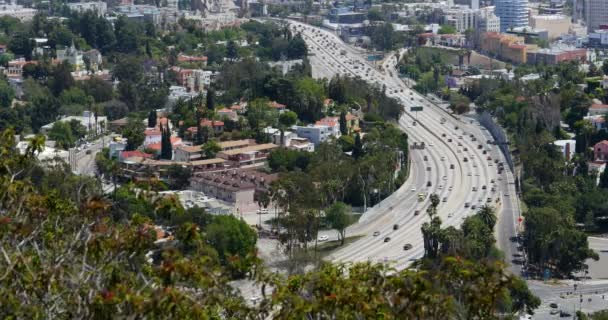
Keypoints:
pixel 487 216
pixel 36 145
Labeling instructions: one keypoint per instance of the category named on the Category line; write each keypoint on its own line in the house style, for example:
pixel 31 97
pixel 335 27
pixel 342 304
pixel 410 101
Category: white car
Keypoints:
pixel 323 238
pixel 414 189
pixel 430 144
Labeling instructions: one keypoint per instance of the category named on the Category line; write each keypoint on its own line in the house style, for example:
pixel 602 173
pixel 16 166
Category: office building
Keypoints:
pixel 596 14
pixel 512 13
pixel 555 24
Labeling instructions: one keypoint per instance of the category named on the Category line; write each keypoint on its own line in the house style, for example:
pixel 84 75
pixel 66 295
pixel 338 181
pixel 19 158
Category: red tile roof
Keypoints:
pixel 135 153
pixel 185 58
pixel 599 106
pixel 274 104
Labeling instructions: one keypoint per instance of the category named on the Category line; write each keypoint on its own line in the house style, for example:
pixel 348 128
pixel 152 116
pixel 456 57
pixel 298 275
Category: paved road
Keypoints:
pixel 456 185
pixel 85 158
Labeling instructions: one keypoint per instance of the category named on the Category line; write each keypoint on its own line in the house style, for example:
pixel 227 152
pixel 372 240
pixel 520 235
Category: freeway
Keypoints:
pixel 457 142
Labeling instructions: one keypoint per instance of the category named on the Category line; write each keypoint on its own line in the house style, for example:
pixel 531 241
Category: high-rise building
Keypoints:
pixel 596 14
pixel 512 13
pixel 473 4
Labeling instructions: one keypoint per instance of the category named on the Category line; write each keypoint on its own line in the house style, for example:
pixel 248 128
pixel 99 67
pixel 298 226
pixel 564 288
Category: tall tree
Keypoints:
pixel 210 99
pixel 358 147
pixel 166 149
pixel 152 119
pixel 343 124
pixel 134 133
pixel 337 217
pixel 604 180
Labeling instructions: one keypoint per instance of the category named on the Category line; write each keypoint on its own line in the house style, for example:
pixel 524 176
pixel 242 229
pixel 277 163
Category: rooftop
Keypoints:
pixel 253 148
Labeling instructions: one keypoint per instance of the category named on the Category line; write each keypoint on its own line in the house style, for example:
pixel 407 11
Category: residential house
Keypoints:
pixel 248 156
pixel 567 147
pixel 236 187
pixel 116 146
pixel 352 122
pixel 598 121
pixel 217 126
pixel 235 144
pixel 157 147
pixel 153 135
pixel 94 59
pixel 188 153
pixel 118 125
pixel 596 168
pixel 277 106
pixel 124 155
pixel 598 109
pixel 600 151
pixel 290 140
pixel 227 113
pixel 192 59
pixel 72 55
pixel 318 133
pixel 15 67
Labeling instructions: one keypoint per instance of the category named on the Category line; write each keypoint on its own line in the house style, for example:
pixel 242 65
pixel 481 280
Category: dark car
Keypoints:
pixel 395 227
pixel 428 184
pixel 387 239
pixel 451 166
pixel 417 212
pixel 407 246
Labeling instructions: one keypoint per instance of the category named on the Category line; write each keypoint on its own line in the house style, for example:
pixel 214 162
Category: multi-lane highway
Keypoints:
pixel 457 163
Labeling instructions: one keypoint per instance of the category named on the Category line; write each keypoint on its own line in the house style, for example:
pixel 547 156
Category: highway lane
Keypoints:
pixel 329 55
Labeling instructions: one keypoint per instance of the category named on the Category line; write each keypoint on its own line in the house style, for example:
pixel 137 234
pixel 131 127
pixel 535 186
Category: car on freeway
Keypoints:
pixel 445 199
pixel 490 164
pixel 442 158
pixel 483 187
pixel 376 233
pixel 465 159
pixel 484 152
pixel 450 188
pixel 440 187
pixel 474 189
pixel 467 204
pixel 449 140
pixel 426 158
pixel 469 174
pixel 428 184
pixel 416 212
pixel 465 149
pixel 407 246
pixel 395 227
pixel 473 207
pixel 443 135
pixel 445 177
pixel 428 168
pixel 387 239
pixel 479 146
pixel 451 166
pixel 430 144
pixel 451 214
pixel 323 238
